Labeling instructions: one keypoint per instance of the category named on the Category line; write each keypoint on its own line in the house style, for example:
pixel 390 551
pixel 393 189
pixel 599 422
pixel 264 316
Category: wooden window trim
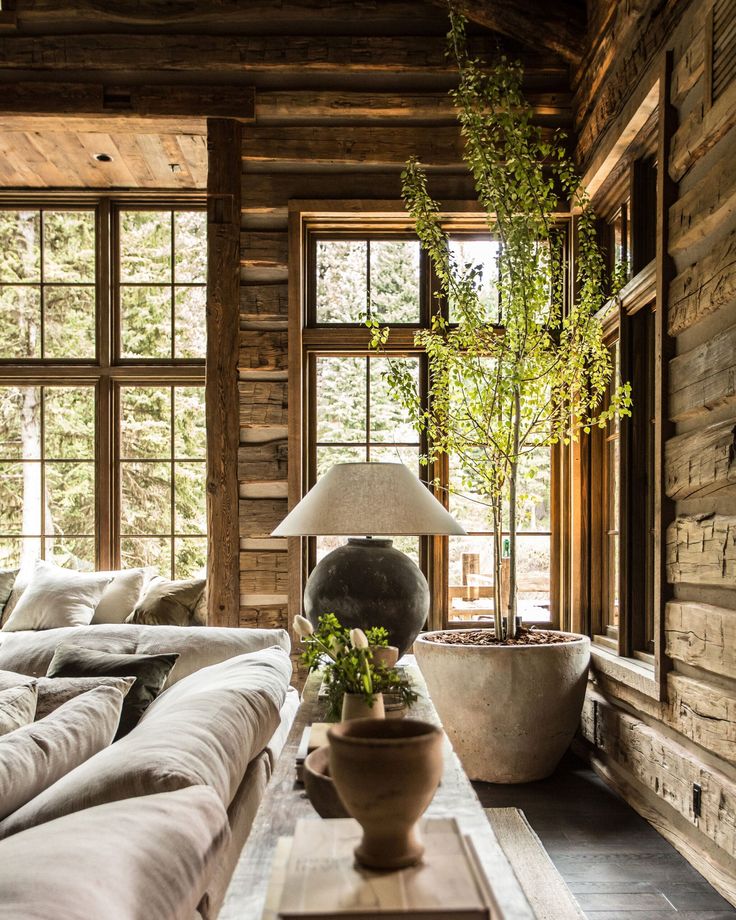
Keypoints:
pixel 104 371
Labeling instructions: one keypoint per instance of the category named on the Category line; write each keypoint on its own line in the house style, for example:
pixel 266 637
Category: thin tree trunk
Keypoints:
pixel 497 507
pixel 513 478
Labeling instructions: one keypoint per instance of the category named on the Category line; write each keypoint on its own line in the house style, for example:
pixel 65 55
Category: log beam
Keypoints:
pixel 224 142
pixel 111 101
pixel 704 287
pixel 701 550
pixel 558 27
pixel 701 462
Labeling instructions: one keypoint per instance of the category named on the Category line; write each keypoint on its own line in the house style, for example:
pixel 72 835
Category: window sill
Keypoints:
pixel 638 675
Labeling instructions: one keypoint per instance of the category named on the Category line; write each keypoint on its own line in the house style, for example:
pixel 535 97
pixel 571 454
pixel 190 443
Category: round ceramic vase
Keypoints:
pixel 354 706
pixel 510 711
pixel 386 773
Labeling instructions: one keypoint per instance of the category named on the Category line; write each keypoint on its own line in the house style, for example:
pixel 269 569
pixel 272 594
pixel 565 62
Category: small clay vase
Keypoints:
pixel 319 786
pixel 386 655
pixel 386 772
pixel 354 706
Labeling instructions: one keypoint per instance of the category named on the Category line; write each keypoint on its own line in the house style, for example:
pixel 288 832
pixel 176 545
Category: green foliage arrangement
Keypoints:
pixel 536 373
pixel 346 660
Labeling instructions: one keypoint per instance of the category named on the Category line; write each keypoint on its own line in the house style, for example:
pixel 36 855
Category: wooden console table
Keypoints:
pixel 285 802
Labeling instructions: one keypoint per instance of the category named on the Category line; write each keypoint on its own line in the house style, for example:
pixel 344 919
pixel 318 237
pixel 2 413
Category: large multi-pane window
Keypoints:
pixel 352 415
pixel 102 347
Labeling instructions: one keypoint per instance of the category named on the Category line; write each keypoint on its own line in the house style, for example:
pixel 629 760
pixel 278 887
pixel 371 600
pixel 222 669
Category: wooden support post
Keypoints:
pixel 224 144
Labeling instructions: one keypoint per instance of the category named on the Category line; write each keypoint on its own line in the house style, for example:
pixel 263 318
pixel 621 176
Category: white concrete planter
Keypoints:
pixel 510 710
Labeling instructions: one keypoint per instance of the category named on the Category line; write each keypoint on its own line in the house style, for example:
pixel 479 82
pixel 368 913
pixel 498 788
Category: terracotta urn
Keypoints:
pixel 354 706
pixel 386 772
pixel 386 655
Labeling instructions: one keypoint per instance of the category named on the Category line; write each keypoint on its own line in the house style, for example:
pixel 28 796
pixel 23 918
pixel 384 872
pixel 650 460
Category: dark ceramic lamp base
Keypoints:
pixel 366 583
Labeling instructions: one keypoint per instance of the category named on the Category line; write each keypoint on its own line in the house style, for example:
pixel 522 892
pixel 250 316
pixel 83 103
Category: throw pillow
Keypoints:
pixel 202 731
pixel 55 691
pixel 7 580
pixel 150 857
pixel 170 603
pixel 122 595
pixel 57 597
pixel 150 672
pixel 17 707
pixel 35 756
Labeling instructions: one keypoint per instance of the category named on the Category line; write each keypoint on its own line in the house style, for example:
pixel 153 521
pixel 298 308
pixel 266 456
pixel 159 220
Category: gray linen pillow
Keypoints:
pixel 55 691
pixel 34 757
pixel 170 603
pixel 17 707
pixel 7 580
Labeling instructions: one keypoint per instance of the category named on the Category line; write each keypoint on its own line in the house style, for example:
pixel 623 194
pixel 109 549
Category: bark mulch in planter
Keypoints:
pixel 488 637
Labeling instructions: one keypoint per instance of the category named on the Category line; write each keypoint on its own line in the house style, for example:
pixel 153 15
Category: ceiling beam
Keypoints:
pixel 558 26
pixel 117 102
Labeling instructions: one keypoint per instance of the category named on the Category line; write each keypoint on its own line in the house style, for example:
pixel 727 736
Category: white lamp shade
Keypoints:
pixel 353 499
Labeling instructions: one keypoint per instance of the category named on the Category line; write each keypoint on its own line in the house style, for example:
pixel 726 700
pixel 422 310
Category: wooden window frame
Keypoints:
pixel 643 137
pixel 106 372
pixel 332 220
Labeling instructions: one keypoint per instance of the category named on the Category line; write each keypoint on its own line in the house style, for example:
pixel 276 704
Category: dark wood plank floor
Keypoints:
pixel 617 866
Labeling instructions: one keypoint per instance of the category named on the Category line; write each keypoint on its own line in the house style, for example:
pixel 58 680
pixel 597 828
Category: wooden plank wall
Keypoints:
pixel 655 751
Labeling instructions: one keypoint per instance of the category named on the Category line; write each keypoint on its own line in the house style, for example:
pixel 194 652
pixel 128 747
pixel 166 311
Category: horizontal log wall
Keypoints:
pixel 653 750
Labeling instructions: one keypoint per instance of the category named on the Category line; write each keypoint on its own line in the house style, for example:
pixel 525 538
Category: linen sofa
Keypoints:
pixel 219 723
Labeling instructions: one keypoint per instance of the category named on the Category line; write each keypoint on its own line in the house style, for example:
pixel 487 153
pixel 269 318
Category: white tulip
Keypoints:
pixel 358 638
pixel 302 627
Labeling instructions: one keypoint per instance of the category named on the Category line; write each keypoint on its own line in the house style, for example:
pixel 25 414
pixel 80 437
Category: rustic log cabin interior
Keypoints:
pixel 197 201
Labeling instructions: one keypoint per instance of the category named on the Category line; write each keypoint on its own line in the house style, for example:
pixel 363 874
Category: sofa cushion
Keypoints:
pixel 198 646
pixel 135 860
pixel 53 691
pixel 57 597
pixel 170 603
pixel 35 756
pixel 7 580
pixel 122 595
pixel 17 707
pixel 150 672
pixel 202 731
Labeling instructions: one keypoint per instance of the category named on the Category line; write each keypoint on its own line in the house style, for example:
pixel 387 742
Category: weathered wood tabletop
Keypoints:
pixel 285 802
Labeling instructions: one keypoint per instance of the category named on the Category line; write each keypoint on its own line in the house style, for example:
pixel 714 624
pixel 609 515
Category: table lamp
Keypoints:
pixel 368 582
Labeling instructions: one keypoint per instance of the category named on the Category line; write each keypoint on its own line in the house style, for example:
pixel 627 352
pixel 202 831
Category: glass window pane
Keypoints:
pixel 72 552
pixel 20 251
pixel 146 551
pixel 190 243
pixel 20 423
pixel 69 322
pixel 327 457
pixel 69 246
pixel 145 498
pixel 190 426
pixel 70 423
pixel 20 322
pixel 389 419
pixel 467 503
pixel 190 557
pixel 190 322
pixel 13 480
pixel 481 255
pixel 17 552
pixel 409 456
pixel 341 399
pixel 70 498
pixel 145 322
pixel 145 246
pixel 534 485
pixel 342 281
pixel 145 422
pixel 190 498
pixel 394 281
pixel 533 566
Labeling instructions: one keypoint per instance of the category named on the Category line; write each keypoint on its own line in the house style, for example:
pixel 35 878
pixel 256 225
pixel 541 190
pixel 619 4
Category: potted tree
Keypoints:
pixel 528 373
